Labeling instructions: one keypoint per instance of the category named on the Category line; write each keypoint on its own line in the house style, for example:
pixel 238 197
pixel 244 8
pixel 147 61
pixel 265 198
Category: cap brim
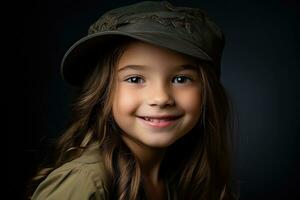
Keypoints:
pixel 84 54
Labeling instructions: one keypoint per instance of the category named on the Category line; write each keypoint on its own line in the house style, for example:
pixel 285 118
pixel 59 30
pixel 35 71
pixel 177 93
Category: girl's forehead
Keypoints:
pixel 142 53
pixel 147 68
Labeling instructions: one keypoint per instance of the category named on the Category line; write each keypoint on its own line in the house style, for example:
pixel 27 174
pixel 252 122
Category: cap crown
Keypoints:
pixel 190 24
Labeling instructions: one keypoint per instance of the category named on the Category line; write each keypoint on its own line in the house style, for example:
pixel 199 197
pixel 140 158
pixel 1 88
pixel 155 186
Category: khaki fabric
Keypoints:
pixel 80 179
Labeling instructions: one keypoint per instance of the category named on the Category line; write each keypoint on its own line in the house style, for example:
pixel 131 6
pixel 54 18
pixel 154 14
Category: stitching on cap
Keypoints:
pixel 112 22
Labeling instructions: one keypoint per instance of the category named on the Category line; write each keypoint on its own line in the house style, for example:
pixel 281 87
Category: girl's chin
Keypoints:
pixel 158 144
pixel 151 141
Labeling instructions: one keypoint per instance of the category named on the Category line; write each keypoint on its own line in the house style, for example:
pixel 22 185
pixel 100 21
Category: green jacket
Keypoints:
pixel 79 179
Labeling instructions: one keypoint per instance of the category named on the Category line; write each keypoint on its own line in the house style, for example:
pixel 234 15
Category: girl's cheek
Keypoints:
pixel 190 100
pixel 127 99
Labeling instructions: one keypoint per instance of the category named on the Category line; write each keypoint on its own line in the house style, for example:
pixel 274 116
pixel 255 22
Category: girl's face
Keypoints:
pixel 158 95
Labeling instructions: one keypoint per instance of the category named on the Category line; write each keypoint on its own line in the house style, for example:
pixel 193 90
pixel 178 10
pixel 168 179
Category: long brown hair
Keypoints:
pixel 198 166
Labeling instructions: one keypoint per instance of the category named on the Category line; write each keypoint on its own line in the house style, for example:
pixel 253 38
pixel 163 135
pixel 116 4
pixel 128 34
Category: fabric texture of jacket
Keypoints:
pixel 80 179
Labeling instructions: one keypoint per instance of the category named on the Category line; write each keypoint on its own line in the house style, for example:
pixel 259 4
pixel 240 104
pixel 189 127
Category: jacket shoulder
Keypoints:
pixel 79 179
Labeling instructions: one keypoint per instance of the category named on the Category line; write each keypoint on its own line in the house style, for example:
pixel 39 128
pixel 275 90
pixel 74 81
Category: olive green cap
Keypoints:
pixel 183 29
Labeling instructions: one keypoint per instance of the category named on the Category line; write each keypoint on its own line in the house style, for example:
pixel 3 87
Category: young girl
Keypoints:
pixel 152 119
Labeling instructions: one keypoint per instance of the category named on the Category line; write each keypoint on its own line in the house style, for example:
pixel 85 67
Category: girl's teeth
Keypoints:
pixel 155 120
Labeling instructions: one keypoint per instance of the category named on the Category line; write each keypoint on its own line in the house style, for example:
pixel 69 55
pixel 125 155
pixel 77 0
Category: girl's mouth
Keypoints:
pixel 159 122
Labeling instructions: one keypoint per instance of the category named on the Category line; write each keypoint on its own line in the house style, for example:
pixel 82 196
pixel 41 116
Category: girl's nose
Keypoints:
pixel 160 96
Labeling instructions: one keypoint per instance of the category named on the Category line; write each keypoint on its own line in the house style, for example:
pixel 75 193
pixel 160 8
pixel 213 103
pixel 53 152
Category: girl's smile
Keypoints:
pixel 160 121
pixel 157 91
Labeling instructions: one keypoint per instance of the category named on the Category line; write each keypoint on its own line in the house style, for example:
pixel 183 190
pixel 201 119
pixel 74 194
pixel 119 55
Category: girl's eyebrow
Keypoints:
pixel 191 67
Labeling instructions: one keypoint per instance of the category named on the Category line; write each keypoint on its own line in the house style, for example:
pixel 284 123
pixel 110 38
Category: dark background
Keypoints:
pixel 260 70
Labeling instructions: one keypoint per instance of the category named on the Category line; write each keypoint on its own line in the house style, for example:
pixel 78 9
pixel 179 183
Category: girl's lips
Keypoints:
pixel 160 122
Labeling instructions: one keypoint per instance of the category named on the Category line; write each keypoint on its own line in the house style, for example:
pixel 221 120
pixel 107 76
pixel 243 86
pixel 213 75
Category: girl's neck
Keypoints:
pixel 149 159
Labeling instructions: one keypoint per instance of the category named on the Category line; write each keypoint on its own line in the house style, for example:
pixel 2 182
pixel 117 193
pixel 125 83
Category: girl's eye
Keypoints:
pixel 181 79
pixel 135 79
